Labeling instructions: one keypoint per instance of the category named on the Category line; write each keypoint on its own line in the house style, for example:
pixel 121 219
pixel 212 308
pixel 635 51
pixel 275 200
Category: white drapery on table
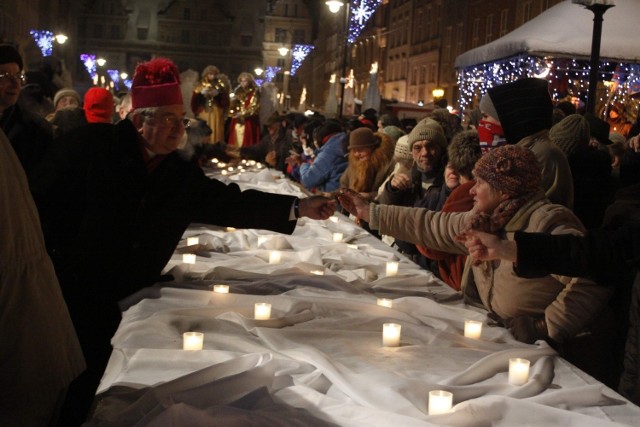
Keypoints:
pixel 319 360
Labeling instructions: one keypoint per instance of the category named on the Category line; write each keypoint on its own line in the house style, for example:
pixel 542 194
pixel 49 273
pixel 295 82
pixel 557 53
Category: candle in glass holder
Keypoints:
pixel 385 302
pixel 472 329
pixel 262 311
pixel 518 371
pixel 214 160
pixel 337 237
pixel 333 218
pixel 440 402
pixel 192 340
pixel 221 289
pixel 391 334
pixel 191 241
pixel 317 272
pixel 392 268
pixel 189 258
pixel 274 257
pixel 350 246
pixel 224 172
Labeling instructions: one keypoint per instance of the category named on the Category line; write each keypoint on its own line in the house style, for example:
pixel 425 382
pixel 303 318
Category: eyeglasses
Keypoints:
pixel 169 121
pixel 14 77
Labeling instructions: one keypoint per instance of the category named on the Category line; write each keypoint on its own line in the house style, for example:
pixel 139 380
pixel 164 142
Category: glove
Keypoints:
pixel 529 329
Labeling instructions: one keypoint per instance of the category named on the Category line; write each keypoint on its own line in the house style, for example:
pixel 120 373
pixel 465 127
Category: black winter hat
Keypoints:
pixel 524 107
pixel 599 129
pixel 9 54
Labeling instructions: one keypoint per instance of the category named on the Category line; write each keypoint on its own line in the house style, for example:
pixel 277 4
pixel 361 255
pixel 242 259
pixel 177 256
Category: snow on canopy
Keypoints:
pixel 565 30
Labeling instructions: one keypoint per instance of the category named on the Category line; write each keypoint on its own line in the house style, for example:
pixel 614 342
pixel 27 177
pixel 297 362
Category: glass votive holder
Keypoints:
pixel 221 289
pixel 189 258
pixel 262 311
pixel 392 268
pixel 440 402
pixel 518 371
pixel 192 341
pixel 337 237
pixel 385 302
pixel 391 334
pixel 472 329
pixel 274 257
pixel 191 241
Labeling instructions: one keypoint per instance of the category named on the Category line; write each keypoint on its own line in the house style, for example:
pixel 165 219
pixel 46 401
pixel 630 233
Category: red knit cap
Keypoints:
pixel 155 84
pixel 511 169
pixel 98 105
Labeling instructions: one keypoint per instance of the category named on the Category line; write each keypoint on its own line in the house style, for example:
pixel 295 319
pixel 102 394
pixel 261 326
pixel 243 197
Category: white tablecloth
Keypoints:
pixel 319 360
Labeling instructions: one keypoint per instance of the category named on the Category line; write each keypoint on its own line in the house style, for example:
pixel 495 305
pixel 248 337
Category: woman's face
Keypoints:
pixel 485 197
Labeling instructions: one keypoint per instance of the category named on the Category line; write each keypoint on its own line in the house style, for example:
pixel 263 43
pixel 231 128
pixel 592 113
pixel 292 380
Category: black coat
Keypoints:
pixel 112 226
pixel 30 136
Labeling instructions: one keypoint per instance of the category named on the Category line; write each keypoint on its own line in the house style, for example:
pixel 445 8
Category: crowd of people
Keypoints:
pixel 107 185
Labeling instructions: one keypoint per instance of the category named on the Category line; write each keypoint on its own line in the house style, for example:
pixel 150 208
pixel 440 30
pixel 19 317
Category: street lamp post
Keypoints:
pixel 598 7
pixel 334 7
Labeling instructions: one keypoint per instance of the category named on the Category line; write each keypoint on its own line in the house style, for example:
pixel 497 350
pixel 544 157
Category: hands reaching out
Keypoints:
pixel 488 247
pixel 317 207
pixel 354 203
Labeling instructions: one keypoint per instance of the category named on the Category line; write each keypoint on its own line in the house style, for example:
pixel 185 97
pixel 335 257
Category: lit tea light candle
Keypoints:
pixel 222 165
pixel 391 334
pixel 252 162
pixel 440 402
pixel 189 258
pixel 317 272
pixel 230 229
pixel 337 237
pixel 518 371
pixel 214 160
pixel 385 302
pixel 221 289
pixel 274 257
pixel 191 241
pixel 472 329
pixel 224 172
pixel 259 165
pixel 333 218
pixel 243 161
pixel 230 168
pixel 392 268
pixel 262 311
pixel 192 340
pixel 350 246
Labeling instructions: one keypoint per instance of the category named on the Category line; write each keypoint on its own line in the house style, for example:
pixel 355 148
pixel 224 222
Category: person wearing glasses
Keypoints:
pixel 115 200
pixel 29 134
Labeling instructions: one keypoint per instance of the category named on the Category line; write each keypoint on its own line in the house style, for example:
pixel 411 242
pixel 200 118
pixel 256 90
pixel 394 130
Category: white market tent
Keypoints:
pixel 565 30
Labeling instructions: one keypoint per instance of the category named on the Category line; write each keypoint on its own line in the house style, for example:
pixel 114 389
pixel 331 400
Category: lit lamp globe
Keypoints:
pixel 283 51
pixel 334 5
pixel 258 71
pixel 61 38
pixel 101 61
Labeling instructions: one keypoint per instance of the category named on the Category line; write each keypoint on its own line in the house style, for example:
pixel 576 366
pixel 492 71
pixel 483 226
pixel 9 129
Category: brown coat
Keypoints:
pixel 568 304
pixel 39 354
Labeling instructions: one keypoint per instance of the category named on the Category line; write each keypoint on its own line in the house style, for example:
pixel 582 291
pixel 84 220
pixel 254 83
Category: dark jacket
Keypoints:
pixel 107 220
pixel 30 136
pixel 608 256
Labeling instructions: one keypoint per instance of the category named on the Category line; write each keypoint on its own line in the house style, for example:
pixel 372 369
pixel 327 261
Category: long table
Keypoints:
pixel 319 359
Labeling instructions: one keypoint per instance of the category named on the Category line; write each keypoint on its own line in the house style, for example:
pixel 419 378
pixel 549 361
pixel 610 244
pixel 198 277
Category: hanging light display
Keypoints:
pixel 44 40
pixel 270 73
pixel 361 11
pixel 89 62
pixel 298 54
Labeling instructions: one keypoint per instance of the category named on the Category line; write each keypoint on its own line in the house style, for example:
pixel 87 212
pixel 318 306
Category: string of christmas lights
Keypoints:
pixel 89 62
pixel 568 77
pixel 361 11
pixel 298 54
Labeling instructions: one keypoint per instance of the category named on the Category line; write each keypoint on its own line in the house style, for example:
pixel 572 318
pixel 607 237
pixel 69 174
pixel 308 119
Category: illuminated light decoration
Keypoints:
pixel 474 81
pixel 127 83
pixel 259 82
pixel 44 40
pixel 298 54
pixel 270 73
pixel 115 75
pixel 89 62
pixel 361 11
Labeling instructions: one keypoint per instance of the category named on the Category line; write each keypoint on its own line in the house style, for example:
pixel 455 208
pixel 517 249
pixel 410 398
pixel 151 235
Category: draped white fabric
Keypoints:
pixel 319 360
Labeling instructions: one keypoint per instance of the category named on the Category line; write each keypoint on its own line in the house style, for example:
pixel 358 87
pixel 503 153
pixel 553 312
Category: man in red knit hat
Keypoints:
pixel 115 200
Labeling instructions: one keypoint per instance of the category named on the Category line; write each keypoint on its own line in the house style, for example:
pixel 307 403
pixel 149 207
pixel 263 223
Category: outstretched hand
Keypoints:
pixel 317 207
pixel 488 247
pixel 354 203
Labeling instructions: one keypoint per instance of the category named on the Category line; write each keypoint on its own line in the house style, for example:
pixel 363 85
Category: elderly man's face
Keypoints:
pixel 10 84
pixel 163 131
pixel 426 155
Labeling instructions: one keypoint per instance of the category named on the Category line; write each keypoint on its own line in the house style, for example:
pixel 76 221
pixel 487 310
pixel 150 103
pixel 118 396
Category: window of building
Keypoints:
pixel 299 36
pixel 246 40
pixel 280 62
pixel 97 31
pixel 459 38
pixel 143 33
pixel 202 38
pixel 475 31
pixel 504 22
pixel 281 35
pixel 185 37
pixel 488 28
pixel 186 14
pixel 433 72
pixel 115 32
